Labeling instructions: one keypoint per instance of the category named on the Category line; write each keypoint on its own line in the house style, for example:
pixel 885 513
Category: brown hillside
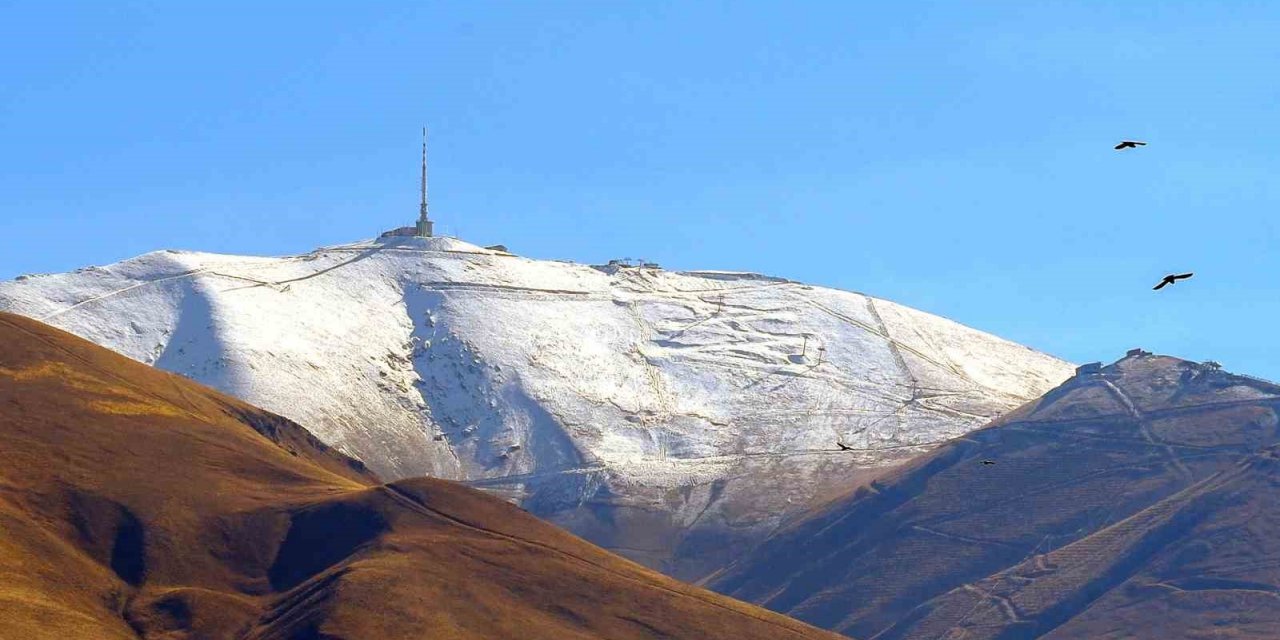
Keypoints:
pixel 1140 501
pixel 135 503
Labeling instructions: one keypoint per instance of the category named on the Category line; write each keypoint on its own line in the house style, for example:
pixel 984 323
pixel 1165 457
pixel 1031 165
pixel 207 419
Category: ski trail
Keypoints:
pixel 1143 429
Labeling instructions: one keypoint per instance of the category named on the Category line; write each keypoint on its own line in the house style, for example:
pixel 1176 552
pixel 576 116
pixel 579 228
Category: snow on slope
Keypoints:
pixel 671 416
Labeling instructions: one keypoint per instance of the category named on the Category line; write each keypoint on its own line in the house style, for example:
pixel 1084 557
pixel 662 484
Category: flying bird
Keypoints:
pixel 1129 144
pixel 843 446
pixel 988 462
pixel 1170 279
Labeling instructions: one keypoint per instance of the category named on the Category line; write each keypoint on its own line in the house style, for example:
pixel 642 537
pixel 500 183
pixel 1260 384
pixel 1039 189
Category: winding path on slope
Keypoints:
pixel 186 274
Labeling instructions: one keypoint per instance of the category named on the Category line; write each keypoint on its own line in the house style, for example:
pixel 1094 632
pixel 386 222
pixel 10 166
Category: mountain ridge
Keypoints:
pixel 1127 502
pixel 672 416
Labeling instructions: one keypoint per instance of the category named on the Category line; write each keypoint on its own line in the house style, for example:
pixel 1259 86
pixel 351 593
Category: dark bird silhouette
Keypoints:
pixel 843 446
pixel 1170 279
pixel 1130 144
pixel 988 462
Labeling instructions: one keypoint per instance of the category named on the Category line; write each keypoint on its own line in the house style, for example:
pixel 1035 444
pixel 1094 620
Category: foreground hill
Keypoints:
pixel 135 503
pixel 1138 501
pixel 673 417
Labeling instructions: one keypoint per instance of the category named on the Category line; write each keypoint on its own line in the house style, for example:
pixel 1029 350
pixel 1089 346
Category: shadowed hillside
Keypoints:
pixel 135 503
pixel 1140 500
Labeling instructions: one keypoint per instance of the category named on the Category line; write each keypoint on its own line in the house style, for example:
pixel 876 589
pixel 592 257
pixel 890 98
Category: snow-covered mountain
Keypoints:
pixel 674 417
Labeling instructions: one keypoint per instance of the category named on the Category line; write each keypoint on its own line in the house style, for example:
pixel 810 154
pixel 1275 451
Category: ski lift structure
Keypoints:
pixel 804 351
pixel 633 263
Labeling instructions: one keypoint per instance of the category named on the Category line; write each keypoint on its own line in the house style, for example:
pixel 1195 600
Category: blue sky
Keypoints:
pixel 955 157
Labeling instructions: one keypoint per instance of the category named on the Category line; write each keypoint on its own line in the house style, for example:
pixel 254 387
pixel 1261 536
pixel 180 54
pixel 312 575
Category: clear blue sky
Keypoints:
pixel 955 157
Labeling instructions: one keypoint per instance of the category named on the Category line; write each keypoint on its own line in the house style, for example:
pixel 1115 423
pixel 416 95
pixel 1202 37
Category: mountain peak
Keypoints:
pixel 675 416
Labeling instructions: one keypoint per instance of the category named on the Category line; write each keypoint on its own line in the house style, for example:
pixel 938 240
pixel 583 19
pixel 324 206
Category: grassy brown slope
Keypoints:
pixel 136 503
pixel 1133 503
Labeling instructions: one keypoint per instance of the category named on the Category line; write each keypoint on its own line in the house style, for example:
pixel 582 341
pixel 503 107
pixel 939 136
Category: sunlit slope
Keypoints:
pixel 135 503
pixel 675 417
pixel 1141 501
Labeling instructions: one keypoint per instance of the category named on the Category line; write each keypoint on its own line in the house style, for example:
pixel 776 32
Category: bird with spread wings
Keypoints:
pixel 1170 279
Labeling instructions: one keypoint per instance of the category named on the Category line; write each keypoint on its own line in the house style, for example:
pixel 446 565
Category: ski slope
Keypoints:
pixel 671 416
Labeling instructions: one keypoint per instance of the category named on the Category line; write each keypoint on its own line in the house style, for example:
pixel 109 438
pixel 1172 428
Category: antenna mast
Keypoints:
pixel 424 224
